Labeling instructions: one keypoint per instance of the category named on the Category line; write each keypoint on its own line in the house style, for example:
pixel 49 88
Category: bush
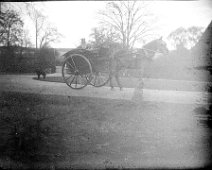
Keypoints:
pixel 11 60
pixel 46 59
pixel 7 58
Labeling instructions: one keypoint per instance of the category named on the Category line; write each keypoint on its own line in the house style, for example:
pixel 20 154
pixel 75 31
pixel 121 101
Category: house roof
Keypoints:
pixel 207 34
pixel 205 42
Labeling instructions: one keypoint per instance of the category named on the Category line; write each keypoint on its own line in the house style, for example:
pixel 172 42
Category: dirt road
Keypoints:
pixel 26 83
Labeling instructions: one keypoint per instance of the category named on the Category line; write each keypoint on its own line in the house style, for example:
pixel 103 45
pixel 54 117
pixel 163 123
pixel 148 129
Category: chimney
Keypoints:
pixel 83 43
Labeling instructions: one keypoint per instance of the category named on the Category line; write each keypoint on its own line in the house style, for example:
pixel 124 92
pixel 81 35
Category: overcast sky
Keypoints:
pixel 75 19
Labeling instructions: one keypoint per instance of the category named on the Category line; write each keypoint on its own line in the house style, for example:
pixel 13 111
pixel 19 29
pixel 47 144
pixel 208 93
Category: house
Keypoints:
pixel 202 51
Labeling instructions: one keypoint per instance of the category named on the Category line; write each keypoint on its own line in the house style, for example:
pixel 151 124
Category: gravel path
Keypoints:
pixel 26 83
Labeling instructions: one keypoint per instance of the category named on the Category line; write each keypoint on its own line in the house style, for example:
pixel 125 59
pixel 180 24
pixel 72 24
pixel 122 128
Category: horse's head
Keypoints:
pixel 153 49
pixel 161 46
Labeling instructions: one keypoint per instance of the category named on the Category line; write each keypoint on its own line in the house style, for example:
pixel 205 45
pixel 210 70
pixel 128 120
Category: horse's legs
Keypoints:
pixel 138 92
pixel 117 73
pixel 138 95
pixel 117 79
pixel 140 81
pixel 111 81
pixel 114 72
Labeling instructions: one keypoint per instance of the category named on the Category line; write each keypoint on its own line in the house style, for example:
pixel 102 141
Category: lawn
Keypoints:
pixel 44 131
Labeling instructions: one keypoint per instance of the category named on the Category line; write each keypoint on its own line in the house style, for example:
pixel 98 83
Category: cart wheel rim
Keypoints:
pixel 75 70
pixel 99 79
pixel 101 75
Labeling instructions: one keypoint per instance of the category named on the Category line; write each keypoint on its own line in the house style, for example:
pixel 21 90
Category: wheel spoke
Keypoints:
pixel 68 78
pixel 72 80
pixel 70 64
pixel 76 82
pixel 73 63
pixel 95 78
pixel 99 79
pixel 88 77
pixel 83 79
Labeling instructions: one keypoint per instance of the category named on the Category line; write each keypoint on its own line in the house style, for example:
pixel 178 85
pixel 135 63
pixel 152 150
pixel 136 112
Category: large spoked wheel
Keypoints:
pixel 76 70
pixel 101 74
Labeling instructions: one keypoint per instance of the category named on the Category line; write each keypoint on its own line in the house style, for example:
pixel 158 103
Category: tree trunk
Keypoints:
pixel 8 37
pixel 36 34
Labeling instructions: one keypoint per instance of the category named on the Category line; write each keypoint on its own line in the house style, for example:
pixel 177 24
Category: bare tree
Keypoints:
pixel 48 35
pixel 45 32
pixel 38 19
pixel 128 19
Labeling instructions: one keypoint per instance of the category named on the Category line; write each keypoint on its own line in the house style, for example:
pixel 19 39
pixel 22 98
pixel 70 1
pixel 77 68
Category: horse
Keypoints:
pixel 139 60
